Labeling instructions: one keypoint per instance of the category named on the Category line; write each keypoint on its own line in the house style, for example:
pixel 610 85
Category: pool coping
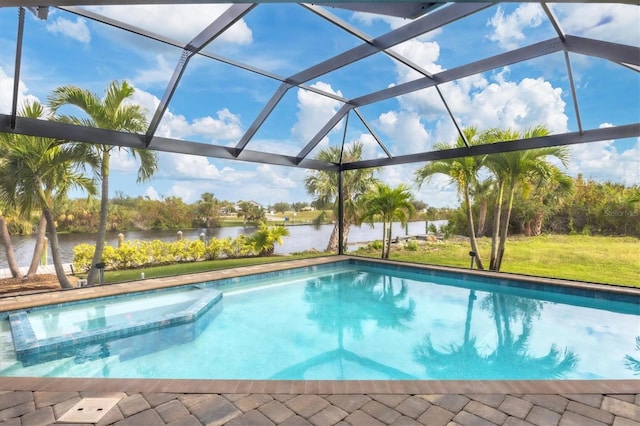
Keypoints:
pixel 17 302
pixel 321 387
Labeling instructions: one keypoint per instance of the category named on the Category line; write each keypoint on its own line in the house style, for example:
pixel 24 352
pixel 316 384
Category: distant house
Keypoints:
pixel 237 208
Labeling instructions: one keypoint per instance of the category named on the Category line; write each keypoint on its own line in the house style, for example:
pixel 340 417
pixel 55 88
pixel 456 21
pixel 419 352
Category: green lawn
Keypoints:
pixel 194 267
pixel 610 260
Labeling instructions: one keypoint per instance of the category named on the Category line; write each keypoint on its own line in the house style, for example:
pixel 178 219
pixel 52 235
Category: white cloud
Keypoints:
pixel 224 128
pixel 314 111
pixel 152 193
pixel 274 176
pixel 498 102
pixel 122 161
pixel 424 54
pixel 180 22
pixel 517 105
pixel 406 130
pixel 77 30
pixel 160 72
pixel 610 22
pixel 183 191
pixel 604 161
pixel 6 88
pixel 508 31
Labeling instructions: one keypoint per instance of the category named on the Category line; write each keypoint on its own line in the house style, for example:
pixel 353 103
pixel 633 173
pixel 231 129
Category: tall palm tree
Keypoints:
pixel 323 186
pixel 512 169
pixel 464 173
pixel 36 173
pixel 389 205
pixel 110 112
pixel 5 240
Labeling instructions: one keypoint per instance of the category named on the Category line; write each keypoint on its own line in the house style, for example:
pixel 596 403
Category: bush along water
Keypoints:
pixel 138 254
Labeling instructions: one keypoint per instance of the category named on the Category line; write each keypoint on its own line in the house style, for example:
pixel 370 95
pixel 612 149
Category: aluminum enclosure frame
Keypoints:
pixel 424 17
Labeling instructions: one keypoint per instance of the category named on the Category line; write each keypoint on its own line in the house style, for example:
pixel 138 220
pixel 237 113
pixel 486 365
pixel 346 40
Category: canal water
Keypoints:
pixel 301 238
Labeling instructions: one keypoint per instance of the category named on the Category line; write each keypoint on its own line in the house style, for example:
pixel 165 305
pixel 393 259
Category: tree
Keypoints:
pixel 207 211
pixel 264 240
pixel 464 173
pixel 110 112
pixel 511 170
pixel 323 185
pixel 387 204
pixel 281 207
pixel 36 173
pixel 250 212
pixel 5 239
pixel 540 198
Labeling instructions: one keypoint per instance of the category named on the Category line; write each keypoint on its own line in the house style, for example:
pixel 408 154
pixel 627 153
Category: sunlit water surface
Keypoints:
pixel 366 322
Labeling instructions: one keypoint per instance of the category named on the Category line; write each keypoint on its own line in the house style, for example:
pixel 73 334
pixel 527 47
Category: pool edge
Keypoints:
pixel 321 387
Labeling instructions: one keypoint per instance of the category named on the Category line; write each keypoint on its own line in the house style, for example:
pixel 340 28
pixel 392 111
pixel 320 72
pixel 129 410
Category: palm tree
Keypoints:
pixel 511 170
pixel 542 197
pixel 5 240
pixel 388 204
pixel 36 173
pixel 265 239
pixel 324 187
pixel 114 113
pixel 464 173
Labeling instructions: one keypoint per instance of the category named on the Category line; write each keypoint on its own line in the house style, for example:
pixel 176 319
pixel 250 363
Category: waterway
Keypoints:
pixel 301 238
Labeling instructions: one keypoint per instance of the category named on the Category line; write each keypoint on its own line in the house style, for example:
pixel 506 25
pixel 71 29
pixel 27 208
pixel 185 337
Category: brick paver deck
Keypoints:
pixel 42 401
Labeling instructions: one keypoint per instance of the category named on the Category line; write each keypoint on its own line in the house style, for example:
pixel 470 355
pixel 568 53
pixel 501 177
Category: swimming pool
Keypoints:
pixel 364 320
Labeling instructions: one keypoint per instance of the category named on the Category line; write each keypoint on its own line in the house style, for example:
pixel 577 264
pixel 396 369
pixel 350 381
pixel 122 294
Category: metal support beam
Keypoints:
pixel 340 212
pixel 416 28
pixel 234 13
pixel 323 132
pixel 16 71
pixel 171 42
pixel 614 52
pixel 501 60
pixel 54 129
pixel 596 135
pixel 372 133
pixel 266 110
pixel 336 3
pixel 574 94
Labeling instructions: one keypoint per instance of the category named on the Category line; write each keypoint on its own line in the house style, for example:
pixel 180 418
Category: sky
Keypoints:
pixel 216 103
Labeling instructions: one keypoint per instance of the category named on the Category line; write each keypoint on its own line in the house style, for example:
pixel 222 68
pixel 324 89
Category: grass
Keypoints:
pixel 194 267
pixel 608 260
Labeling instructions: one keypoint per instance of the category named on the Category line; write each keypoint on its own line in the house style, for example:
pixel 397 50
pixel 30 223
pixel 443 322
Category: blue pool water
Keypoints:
pixel 357 320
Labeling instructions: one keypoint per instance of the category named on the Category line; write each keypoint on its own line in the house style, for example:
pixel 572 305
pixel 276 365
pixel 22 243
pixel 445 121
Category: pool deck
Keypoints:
pixel 147 402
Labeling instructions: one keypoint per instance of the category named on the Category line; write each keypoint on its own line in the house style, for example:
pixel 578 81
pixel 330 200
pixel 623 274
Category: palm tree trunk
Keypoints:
pixel 55 250
pixel 102 225
pixel 472 233
pixel 482 218
pixel 332 246
pixel 384 239
pixel 389 240
pixel 505 228
pixel 496 228
pixel 346 226
pixel 536 227
pixel 5 238
pixel 37 250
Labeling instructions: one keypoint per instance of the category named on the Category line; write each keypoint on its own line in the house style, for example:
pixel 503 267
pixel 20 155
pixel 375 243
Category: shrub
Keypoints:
pixel 411 245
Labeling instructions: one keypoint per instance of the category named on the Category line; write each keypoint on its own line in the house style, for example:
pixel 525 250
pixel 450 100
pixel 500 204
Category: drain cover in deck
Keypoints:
pixel 89 410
